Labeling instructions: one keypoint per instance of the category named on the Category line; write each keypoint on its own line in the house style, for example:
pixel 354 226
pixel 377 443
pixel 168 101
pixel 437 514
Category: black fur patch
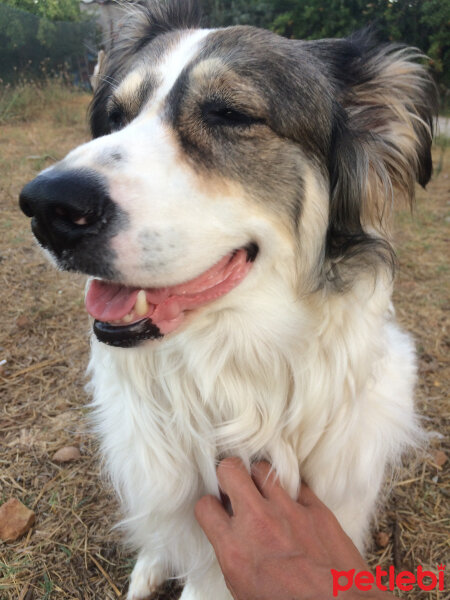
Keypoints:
pixel 348 170
pixel 252 252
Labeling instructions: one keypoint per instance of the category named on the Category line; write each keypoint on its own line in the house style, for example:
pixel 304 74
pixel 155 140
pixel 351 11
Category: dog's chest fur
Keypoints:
pixel 291 387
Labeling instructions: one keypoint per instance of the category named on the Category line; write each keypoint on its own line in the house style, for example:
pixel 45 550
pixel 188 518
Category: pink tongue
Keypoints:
pixel 111 301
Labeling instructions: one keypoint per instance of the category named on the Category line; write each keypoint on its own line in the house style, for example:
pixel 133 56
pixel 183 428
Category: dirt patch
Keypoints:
pixel 71 552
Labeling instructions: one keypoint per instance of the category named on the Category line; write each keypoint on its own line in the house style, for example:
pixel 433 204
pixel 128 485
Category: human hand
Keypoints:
pixel 272 548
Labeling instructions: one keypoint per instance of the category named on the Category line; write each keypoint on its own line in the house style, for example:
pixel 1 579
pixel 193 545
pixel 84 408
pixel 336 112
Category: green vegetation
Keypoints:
pixel 420 23
pixel 41 38
pixel 46 35
pixel 53 10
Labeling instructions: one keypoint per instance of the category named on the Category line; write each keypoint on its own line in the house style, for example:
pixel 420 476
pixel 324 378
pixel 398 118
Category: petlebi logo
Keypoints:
pixel 388 580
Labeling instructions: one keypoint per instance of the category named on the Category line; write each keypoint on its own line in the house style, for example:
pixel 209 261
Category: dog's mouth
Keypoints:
pixel 125 316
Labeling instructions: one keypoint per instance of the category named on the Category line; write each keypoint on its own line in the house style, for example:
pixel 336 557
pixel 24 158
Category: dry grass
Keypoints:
pixel 26 100
pixel 71 552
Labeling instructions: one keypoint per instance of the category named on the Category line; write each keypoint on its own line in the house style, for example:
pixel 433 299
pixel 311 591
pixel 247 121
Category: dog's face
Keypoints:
pixel 216 154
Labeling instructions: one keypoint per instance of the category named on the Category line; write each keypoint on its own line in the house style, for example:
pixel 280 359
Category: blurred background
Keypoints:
pixel 42 38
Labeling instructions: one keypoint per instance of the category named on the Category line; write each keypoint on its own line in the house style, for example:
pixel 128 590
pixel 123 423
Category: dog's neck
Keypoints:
pixel 246 380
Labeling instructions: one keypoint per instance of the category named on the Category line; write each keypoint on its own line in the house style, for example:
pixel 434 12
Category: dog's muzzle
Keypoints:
pixel 73 217
pixel 66 207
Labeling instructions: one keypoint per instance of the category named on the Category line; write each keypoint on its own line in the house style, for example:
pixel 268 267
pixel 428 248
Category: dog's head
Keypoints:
pixel 219 153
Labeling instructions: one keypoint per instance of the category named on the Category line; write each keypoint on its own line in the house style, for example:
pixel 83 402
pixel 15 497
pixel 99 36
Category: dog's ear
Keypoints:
pixel 381 140
pixel 98 70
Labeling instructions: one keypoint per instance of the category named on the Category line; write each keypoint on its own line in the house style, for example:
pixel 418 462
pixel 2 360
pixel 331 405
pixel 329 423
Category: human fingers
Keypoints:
pixel 212 518
pixel 307 497
pixel 324 521
pixel 237 484
pixel 268 483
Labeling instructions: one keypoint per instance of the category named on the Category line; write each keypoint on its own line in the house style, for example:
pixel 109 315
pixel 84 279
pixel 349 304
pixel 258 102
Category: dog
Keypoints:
pixel 234 214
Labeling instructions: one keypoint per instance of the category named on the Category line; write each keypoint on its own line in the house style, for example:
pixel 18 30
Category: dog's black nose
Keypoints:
pixel 66 206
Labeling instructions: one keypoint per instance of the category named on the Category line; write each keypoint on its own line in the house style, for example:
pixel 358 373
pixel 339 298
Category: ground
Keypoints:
pixel 71 552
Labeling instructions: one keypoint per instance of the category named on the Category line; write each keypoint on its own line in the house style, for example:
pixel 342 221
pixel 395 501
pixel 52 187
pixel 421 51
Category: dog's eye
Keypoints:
pixel 216 114
pixel 116 119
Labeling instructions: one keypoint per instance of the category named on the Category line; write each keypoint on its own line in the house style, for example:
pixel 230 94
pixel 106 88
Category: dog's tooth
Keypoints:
pixel 141 306
pixel 128 318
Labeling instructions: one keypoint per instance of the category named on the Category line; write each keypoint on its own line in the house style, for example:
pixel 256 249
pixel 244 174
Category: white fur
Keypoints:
pixel 323 391
pixel 320 383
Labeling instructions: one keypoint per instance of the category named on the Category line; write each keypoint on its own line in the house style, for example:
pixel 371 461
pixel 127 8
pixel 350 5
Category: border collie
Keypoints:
pixel 234 212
